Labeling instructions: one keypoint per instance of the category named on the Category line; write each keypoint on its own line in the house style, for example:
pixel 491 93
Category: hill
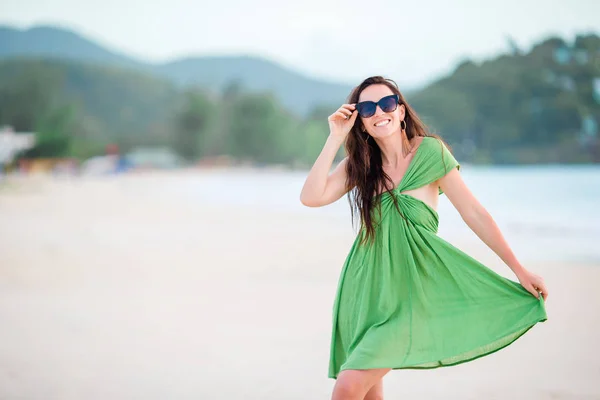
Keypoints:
pixel 294 90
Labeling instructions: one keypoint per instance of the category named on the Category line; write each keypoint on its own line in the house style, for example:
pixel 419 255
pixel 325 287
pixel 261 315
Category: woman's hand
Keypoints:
pixel 533 283
pixel 341 121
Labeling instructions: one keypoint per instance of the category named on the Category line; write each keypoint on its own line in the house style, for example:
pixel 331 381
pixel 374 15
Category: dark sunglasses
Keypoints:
pixel 366 109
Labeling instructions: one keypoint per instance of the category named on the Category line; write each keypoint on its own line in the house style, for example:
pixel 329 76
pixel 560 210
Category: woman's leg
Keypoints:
pixel 353 384
pixel 376 392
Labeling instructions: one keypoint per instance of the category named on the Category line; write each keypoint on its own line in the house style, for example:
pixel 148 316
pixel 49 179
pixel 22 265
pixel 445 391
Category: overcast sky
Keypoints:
pixel 409 41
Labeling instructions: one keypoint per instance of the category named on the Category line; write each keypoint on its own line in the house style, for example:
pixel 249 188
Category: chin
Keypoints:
pixel 380 133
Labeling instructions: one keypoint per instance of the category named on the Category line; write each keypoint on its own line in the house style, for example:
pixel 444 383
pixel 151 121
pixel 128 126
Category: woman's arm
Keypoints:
pixel 320 187
pixel 483 225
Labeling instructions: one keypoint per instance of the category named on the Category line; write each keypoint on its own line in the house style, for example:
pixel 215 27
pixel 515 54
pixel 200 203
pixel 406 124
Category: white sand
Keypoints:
pixel 108 293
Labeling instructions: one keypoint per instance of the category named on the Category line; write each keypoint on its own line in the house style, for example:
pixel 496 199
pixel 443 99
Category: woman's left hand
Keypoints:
pixel 533 283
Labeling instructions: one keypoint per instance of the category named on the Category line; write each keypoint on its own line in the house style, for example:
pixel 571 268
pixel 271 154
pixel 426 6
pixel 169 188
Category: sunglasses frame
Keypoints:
pixel 360 105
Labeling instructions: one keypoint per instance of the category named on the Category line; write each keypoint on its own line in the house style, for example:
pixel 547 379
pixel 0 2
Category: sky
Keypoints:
pixel 411 42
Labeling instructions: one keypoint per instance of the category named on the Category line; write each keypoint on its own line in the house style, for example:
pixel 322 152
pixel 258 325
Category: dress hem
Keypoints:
pixel 526 328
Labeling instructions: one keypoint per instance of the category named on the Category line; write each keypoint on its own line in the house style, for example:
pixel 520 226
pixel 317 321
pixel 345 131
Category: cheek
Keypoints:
pixel 366 123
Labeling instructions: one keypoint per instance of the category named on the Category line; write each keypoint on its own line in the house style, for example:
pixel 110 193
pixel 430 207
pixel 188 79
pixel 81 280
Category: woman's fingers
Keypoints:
pixel 347 108
pixel 340 114
pixel 533 290
pixel 543 290
pixel 540 286
pixel 345 111
pixel 538 289
pixel 342 120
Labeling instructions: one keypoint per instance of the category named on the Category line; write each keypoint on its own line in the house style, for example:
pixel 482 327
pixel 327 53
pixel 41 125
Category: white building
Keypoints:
pixel 11 143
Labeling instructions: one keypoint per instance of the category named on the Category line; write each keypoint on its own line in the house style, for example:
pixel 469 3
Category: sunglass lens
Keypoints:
pixel 366 109
pixel 388 104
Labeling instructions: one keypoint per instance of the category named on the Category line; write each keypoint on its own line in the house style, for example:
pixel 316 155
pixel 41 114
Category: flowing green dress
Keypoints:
pixel 412 300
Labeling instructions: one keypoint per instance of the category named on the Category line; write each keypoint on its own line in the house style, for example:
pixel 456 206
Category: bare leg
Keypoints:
pixel 376 392
pixel 352 384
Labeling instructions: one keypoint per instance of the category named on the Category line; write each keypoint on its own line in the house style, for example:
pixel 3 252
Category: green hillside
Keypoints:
pixel 535 106
pixel 106 104
pixel 294 90
pixel 538 106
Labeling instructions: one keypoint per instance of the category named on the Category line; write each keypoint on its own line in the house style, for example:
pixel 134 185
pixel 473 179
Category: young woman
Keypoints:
pixel 407 298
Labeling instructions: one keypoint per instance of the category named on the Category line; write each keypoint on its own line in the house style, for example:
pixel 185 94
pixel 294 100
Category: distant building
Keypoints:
pixel 12 143
pixel 589 130
pixel 581 56
pixel 153 158
pixel 562 55
pixel 596 88
pixel 140 158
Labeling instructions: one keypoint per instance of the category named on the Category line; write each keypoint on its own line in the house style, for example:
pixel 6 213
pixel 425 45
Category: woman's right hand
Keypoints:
pixel 342 121
pixel 322 187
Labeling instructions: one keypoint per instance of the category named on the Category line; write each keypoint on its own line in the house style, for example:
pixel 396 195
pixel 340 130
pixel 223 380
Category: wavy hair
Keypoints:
pixel 364 169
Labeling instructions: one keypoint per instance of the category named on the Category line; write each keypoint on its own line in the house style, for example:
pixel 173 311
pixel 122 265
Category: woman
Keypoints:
pixel 406 298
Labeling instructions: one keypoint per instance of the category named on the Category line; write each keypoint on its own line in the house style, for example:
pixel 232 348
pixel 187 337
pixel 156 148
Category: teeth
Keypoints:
pixel 382 123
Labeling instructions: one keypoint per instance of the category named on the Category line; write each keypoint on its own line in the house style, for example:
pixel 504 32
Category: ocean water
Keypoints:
pixel 546 213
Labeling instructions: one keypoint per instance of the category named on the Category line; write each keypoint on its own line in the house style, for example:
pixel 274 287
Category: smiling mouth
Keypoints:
pixel 383 123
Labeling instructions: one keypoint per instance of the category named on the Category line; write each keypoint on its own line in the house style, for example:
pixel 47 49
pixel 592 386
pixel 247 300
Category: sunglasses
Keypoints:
pixel 366 109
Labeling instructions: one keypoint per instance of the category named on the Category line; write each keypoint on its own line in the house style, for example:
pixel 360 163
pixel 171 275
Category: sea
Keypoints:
pixel 545 212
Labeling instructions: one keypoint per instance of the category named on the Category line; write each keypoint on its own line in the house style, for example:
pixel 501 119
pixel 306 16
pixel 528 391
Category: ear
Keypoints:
pixel 402 111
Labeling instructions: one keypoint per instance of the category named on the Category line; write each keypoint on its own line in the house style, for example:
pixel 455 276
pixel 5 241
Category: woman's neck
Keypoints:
pixel 392 149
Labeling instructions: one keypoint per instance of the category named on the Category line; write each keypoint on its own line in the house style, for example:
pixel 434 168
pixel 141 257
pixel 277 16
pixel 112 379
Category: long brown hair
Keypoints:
pixel 364 169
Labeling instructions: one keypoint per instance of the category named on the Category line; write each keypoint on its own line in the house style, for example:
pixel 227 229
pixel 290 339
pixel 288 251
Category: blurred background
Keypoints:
pixel 152 241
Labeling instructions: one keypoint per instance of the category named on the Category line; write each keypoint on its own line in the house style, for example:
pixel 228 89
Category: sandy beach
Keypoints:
pixel 111 290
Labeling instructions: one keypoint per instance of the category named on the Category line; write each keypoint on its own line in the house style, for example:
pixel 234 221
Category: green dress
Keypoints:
pixel 412 300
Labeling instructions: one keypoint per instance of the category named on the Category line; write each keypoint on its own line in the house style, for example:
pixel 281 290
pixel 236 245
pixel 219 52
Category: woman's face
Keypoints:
pixel 381 124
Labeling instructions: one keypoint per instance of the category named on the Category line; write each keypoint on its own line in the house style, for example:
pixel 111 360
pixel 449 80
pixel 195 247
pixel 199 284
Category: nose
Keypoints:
pixel 378 111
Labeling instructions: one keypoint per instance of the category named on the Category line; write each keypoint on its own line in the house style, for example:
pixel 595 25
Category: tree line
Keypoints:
pixel 521 107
